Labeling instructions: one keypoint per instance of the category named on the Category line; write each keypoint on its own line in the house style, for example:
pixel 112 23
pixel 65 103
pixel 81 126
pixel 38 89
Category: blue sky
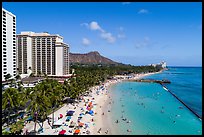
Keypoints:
pixel 137 33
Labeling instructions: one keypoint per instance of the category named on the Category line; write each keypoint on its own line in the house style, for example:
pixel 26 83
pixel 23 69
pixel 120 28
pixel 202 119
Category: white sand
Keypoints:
pixel 100 121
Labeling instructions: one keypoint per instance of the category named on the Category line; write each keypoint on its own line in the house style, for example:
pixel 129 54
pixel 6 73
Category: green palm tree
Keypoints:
pixel 57 95
pixel 10 100
pixel 40 103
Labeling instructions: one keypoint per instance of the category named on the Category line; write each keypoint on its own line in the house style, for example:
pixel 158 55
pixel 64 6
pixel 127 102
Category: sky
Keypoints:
pixel 136 33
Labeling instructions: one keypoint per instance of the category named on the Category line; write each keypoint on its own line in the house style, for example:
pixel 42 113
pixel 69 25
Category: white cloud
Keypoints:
pixel 86 42
pixel 103 34
pixel 108 36
pixel 143 11
pixel 94 26
pixel 126 3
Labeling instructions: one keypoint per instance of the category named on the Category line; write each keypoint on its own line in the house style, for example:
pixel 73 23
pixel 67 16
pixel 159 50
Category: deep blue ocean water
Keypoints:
pixel 153 110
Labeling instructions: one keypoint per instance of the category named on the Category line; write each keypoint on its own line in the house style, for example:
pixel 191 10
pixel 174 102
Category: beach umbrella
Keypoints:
pixel 77 131
pixel 62 132
pixel 91 112
pixel 89 108
pixel 81 124
pixel 70 113
pixel 68 118
pixel 61 115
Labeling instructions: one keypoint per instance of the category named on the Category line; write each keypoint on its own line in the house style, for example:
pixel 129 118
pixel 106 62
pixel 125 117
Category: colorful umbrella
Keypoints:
pixel 61 115
pixel 81 124
pixel 62 132
pixel 77 131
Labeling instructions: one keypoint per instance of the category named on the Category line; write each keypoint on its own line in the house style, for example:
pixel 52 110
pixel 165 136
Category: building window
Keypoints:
pixel 4 73
pixel 4 25
pixel 4 65
pixel 5 69
pixel 4 62
pixel 4 48
pixel 4 32
pixel 4 52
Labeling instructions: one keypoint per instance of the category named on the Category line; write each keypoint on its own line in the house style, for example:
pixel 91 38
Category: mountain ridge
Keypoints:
pixel 93 57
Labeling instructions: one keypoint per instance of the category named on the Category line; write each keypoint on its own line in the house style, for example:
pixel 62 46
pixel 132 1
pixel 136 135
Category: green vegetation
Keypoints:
pixel 48 95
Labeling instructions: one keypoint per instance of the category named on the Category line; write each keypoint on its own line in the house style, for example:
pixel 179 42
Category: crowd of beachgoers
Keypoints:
pixel 84 117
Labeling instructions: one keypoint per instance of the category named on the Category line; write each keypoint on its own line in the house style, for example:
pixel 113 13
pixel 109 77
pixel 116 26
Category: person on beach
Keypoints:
pixel 128 130
pixel 106 131
pixel 99 131
pixel 103 113
pixel 117 121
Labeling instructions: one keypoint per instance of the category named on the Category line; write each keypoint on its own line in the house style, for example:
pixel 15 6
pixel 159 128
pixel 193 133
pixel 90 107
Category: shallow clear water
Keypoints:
pixel 151 110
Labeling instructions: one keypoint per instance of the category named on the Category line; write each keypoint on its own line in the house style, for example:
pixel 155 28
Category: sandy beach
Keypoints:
pixel 98 99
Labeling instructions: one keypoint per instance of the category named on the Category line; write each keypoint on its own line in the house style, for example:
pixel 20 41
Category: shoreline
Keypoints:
pixel 105 122
pixel 99 100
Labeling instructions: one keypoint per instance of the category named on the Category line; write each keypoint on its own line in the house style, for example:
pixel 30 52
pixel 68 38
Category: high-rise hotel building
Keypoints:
pixel 42 53
pixel 8 44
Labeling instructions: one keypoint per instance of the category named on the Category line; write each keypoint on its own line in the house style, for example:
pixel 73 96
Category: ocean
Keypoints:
pixel 147 108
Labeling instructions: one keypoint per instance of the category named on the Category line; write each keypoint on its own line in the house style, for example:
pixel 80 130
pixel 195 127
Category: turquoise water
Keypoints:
pixel 186 83
pixel 151 110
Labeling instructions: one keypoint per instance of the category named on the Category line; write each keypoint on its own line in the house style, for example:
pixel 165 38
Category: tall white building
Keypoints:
pixel 8 43
pixel 42 53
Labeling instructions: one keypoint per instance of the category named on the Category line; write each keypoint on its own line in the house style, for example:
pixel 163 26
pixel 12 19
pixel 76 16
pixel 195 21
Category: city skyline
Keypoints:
pixel 137 33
